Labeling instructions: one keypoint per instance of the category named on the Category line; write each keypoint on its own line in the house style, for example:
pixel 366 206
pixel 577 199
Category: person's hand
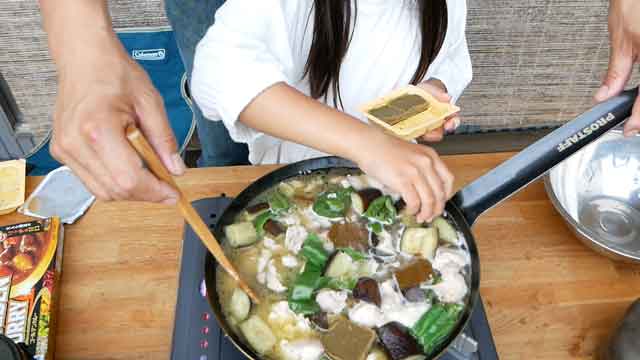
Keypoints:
pixel 436 88
pixel 101 91
pixel 412 170
pixel 624 31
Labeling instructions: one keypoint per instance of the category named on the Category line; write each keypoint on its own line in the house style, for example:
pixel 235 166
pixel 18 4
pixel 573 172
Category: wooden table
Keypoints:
pixel 547 295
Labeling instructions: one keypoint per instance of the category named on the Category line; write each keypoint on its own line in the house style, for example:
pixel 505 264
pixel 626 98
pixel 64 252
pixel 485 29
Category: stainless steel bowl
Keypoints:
pixel 597 191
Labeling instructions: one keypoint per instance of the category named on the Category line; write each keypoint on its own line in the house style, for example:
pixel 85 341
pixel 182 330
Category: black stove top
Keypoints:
pixel 196 335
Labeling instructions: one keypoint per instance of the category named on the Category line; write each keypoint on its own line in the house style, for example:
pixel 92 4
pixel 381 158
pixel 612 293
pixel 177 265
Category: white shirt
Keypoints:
pixel 256 44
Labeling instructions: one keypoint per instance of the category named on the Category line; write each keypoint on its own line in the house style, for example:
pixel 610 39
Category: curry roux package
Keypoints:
pixel 409 112
pixel 30 263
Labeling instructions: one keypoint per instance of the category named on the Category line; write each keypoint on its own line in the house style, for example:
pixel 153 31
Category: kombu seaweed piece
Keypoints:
pixel 401 108
pixel 410 102
pixel 387 114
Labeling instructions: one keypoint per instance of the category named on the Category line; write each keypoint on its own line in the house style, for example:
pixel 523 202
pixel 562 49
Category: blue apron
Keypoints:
pixel 156 51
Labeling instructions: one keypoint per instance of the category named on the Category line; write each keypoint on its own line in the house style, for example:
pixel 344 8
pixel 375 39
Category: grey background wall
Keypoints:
pixel 535 62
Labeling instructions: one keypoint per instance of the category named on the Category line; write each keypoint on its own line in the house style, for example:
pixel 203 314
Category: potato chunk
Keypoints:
pixel 241 234
pixel 258 334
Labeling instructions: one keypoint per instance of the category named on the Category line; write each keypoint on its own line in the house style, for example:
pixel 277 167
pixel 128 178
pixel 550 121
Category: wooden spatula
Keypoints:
pixel 144 149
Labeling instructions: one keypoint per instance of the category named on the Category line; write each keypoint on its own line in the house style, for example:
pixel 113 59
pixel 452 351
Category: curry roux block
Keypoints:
pixel 409 112
pixel 401 108
pixel 30 264
pixel 348 341
pixel 410 104
pixel 388 114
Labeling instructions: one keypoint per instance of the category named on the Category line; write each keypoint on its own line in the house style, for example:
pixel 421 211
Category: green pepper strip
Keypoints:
pixel 304 307
pixel 333 204
pixel 306 283
pixel 261 220
pixel 301 295
pixel 376 227
pixel 278 202
pixel 354 254
pixel 313 250
pixel 338 283
pixel 435 325
pixel 381 211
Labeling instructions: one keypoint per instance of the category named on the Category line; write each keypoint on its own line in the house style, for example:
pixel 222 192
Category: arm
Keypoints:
pixel 452 66
pixel 414 171
pixel 451 72
pixel 100 91
pixel 241 79
pixel 624 31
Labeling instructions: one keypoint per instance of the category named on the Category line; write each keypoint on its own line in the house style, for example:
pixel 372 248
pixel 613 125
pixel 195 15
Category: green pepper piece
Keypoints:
pixel 306 283
pixel 381 210
pixel 376 227
pixel 436 278
pixel 261 220
pixel 304 307
pixel 431 296
pixel 313 250
pixel 427 320
pixel 278 202
pixel 354 254
pixel 301 294
pixel 435 325
pixel 334 203
pixel 338 283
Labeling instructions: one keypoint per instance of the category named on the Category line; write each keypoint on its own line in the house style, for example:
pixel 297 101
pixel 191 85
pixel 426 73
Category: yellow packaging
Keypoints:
pixel 30 268
pixel 416 125
pixel 12 182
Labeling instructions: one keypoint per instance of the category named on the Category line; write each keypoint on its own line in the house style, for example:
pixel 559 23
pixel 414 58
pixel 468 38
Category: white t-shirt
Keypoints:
pixel 256 44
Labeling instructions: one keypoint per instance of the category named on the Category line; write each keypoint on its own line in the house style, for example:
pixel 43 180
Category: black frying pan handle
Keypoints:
pixel 542 156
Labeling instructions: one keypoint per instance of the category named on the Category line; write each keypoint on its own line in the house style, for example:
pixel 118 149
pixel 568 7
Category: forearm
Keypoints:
pixel 286 113
pixel 75 28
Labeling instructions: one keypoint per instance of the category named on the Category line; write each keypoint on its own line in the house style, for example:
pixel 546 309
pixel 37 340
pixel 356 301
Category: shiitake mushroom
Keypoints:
pixel 320 320
pixel 375 241
pixel 367 289
pixel 362 199
pixel 368 195
pixel 254 209
pixel 274 228
pixel 400 205
pixel 397 341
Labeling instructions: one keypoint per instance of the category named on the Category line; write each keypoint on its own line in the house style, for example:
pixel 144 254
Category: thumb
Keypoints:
pixel 436 91
pixel 153 122
pixel 632 127
pixel 618 74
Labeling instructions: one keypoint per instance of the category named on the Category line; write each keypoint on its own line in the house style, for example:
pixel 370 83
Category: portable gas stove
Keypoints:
pixel 196 335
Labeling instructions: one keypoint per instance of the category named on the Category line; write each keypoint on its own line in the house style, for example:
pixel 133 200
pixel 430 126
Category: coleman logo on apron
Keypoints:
pixel 149 54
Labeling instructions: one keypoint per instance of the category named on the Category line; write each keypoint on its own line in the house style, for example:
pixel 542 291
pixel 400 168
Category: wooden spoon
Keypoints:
pixel 140 143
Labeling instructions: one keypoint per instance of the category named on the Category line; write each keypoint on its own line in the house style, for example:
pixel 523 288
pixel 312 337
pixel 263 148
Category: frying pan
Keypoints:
pixel 466 205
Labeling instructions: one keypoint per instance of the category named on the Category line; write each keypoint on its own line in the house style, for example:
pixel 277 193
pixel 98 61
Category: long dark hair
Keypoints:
pixel 332 34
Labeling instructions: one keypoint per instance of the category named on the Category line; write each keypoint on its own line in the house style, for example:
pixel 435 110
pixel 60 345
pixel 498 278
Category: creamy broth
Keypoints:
pixel 373 271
